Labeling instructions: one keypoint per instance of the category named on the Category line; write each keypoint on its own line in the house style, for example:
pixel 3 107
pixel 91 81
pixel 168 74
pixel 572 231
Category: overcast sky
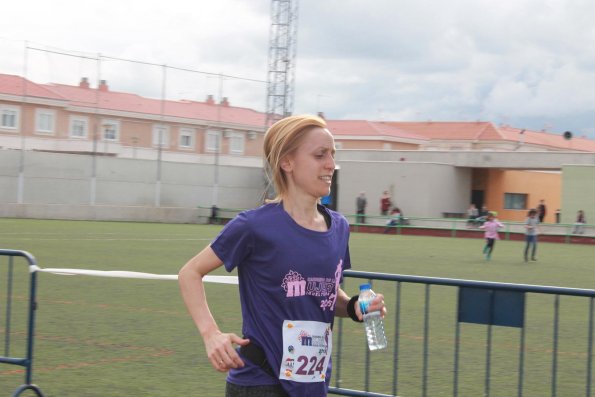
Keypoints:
pixel 525 63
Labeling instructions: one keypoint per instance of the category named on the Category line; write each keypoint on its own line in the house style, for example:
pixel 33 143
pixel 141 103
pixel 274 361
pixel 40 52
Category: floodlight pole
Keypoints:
pixel 282 56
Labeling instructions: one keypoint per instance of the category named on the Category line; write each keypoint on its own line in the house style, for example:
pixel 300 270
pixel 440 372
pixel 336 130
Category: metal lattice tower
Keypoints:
pixel 282 51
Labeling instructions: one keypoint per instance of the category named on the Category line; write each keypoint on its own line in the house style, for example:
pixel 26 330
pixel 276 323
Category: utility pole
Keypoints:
pixel 282 54
pixel 21 181
pixel 219 140
pixel 161 137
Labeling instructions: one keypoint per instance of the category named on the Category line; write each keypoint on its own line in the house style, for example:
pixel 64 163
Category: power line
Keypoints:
pixel 100 57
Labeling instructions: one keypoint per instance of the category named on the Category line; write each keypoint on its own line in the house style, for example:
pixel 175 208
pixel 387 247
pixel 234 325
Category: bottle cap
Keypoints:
pixel 365 286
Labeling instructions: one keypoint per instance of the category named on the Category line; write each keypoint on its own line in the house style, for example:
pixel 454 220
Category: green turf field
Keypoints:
pixel 122 337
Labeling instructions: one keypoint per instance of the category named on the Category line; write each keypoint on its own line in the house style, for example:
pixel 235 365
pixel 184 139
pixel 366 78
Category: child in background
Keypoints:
pixel 531 231
pixel 491 226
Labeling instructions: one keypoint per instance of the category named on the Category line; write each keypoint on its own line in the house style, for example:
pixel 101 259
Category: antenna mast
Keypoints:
pixel 282 54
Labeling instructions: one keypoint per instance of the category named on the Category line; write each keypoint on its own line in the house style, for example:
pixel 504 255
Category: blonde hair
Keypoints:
pixel 281 139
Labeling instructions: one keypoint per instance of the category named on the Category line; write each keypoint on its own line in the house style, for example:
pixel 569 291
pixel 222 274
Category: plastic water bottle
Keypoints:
pixel 373 320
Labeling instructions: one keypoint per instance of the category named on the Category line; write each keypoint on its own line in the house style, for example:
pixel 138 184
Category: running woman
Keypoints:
pixel 290 255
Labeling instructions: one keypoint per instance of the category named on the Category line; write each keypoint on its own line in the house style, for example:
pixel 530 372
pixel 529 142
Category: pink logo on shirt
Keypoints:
pixel 332 299
pixel 295 285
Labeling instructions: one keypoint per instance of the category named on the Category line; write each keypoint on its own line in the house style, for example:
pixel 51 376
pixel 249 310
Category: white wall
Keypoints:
pixel 58 185
pixel 474 159
pixel 578 192
pixel 418 189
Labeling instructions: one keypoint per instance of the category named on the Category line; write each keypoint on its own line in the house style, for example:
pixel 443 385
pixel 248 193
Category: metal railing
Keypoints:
pixel 11 278
pixel 429 357
pixel 451 227
pixel 446 337
pixel 446 227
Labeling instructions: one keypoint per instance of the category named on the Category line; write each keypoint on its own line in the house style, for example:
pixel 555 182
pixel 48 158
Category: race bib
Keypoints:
pixel 307 347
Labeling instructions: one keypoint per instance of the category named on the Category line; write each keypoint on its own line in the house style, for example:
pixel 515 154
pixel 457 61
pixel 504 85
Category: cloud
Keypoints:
pixel 526 63
pixel 513 61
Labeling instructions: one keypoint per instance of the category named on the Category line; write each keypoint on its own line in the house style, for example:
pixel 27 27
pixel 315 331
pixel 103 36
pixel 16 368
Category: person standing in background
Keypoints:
pixel 531 229
pixel 360 205
pixel 541 210
pixel 385 203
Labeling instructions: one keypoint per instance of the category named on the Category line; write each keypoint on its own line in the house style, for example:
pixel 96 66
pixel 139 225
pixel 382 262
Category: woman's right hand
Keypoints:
pixel 221 352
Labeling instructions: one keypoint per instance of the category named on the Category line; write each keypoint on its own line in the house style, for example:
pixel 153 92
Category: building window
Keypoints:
pixel 236 143
pixel 9 117
pixel 187 138
pixel 160 136
pixel 44 121
pixel 213 141
pixel 515 201
pixel 79 127
pixel 110 130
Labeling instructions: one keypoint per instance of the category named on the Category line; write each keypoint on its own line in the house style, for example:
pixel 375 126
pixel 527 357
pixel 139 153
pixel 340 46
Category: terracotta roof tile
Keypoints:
pixel 370 128
pixel 547 139
pixel 120 101
pixel 15 85
pixel 448 130
pixel 420 131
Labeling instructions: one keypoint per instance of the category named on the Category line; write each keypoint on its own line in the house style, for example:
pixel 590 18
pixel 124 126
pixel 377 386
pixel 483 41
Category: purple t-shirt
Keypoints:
pixel 286 272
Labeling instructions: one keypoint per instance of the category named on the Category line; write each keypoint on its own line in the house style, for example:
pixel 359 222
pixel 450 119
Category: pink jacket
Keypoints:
pixel 491 229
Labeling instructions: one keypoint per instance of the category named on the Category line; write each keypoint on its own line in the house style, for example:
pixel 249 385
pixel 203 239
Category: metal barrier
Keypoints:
pixel 474 356
pixel 447 362
pixel 26 362
pixel 449 227
pixel 443 227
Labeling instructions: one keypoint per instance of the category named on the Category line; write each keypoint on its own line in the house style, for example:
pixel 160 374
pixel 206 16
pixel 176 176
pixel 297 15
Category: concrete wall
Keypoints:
pixel 104 213
pixel 9 171
pixel 418 189
pixel 578 192
pixel 475 159
pixel 59 186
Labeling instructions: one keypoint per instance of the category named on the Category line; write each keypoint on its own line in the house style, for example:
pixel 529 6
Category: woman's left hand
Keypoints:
pixel 377 304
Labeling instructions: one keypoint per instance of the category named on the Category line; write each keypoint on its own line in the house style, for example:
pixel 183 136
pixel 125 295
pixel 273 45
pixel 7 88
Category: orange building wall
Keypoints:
pixel 345 144
pixel 537 185
pixel 253 147
pixel 133 132
pixel 404 146
pixel 27 122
